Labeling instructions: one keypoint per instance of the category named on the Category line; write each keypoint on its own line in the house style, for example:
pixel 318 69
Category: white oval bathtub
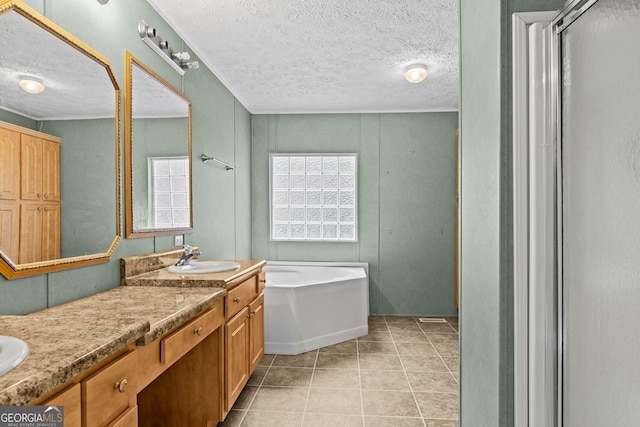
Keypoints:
pixel 309 305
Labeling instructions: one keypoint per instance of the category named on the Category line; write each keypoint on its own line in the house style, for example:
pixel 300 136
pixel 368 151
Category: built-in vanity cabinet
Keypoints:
pixel 162 349
pixel 29 194
pixel 243 334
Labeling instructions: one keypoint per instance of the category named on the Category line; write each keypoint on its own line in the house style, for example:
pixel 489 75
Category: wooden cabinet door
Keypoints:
pixel 256 332
pixel 9 164
pixel 31 167
pixel 70 400
pixel 236 356
pixel 50 231
pixel 10 229
pixel 50 171
pixel 30 233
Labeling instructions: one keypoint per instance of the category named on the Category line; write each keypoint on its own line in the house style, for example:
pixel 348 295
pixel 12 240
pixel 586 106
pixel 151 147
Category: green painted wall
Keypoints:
pixel 406 201
pixel 221 127
pixel 486 319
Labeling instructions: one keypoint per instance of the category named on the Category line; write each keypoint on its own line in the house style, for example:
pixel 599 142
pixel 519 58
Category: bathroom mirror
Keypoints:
pixel 80 108
pixel 157 154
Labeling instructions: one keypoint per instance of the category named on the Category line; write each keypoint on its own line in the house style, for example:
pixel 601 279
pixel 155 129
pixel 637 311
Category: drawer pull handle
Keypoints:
pixel 198 331
pixel 237 300
pixel 121 386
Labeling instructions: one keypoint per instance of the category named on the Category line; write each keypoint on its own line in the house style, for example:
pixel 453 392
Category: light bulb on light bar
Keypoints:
pixel 31 85
pixel 416 73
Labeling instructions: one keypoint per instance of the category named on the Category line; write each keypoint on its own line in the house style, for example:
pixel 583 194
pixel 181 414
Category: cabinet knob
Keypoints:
pixel 46 209
pixel 237 300
pixel 39 195
pixel 121 386
pixel 253 313
pixel 198 331
pixel 39 208
pixel 0 193
pixel 46 196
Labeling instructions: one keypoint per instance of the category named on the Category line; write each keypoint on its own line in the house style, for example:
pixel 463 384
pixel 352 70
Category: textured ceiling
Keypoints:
pixel 323 56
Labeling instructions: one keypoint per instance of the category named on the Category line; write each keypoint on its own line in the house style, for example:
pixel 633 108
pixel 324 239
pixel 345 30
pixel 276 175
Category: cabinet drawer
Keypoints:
pixel 238 297
pixel 109 392
pixel 262 281
pixel 184 339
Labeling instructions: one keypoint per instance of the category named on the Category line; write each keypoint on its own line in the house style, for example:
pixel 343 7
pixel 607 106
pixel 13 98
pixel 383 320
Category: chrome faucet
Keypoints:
pixel 188 254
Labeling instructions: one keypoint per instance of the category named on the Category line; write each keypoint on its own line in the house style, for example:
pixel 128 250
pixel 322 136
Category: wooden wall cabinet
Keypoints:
pixel 29 194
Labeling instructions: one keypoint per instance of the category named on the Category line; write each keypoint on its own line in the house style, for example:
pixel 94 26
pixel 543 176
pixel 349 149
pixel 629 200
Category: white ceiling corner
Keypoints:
pixel 324 56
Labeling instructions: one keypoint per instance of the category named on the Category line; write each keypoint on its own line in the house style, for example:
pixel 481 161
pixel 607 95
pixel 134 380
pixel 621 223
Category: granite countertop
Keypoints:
pixel 67 339
pixel 161 277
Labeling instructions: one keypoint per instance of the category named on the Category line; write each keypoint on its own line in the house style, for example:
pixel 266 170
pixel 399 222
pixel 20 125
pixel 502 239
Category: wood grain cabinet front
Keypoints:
pixel 69 399
pixel 184 339
pixel 110 392
pixel 243 338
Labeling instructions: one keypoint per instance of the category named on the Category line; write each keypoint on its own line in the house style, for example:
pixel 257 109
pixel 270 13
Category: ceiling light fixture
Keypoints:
pixel 416 73
pixel 103 1
pixel 31 85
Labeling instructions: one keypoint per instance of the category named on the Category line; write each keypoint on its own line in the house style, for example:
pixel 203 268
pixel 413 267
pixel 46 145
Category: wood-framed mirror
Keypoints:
pixel 157 154
pixel 59 181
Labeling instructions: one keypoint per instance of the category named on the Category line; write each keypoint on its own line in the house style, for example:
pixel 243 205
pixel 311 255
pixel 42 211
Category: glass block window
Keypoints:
pixel 169 195
pixel 314 197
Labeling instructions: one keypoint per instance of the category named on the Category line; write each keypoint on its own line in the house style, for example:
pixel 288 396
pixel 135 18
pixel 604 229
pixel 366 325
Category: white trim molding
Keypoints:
pixel 535 389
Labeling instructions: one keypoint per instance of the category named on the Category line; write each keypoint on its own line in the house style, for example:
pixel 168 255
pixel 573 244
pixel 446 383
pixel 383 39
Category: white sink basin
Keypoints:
pixel 201 267
pixel 12 352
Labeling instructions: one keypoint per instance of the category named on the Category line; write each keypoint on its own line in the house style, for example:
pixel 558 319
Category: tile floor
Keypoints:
pixel 402 374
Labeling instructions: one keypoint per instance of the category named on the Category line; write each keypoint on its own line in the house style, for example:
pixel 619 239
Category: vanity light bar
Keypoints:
pixel 179 61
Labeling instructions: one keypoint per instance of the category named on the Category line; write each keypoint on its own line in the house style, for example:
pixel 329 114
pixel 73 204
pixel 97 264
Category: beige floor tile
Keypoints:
pixel 447 349
pixel 432 382
pixel 383 362
pixel 424 364
pixel 441 423
pixel 392 422
pixel 453 363
pixel 378 326
pixel 258 375
pixel 416 349
pixel 334 401
pixel 272 419
pixel 303 360
pixel 376 347
pixel 437 327
pixel 384 380
pixel 234 418
pixel 336 378
pixel 402 336
pixel 435 337
pixel 266 360
pixel 288 377
pixel 404 327
pixel 246 397
pixel 283 399
pixel 376 336
pixel 400 319
pixel 438 405
pixel 324 420
pixel 389 403
pixel 376 319
pixel 337 361
pixel 350 346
